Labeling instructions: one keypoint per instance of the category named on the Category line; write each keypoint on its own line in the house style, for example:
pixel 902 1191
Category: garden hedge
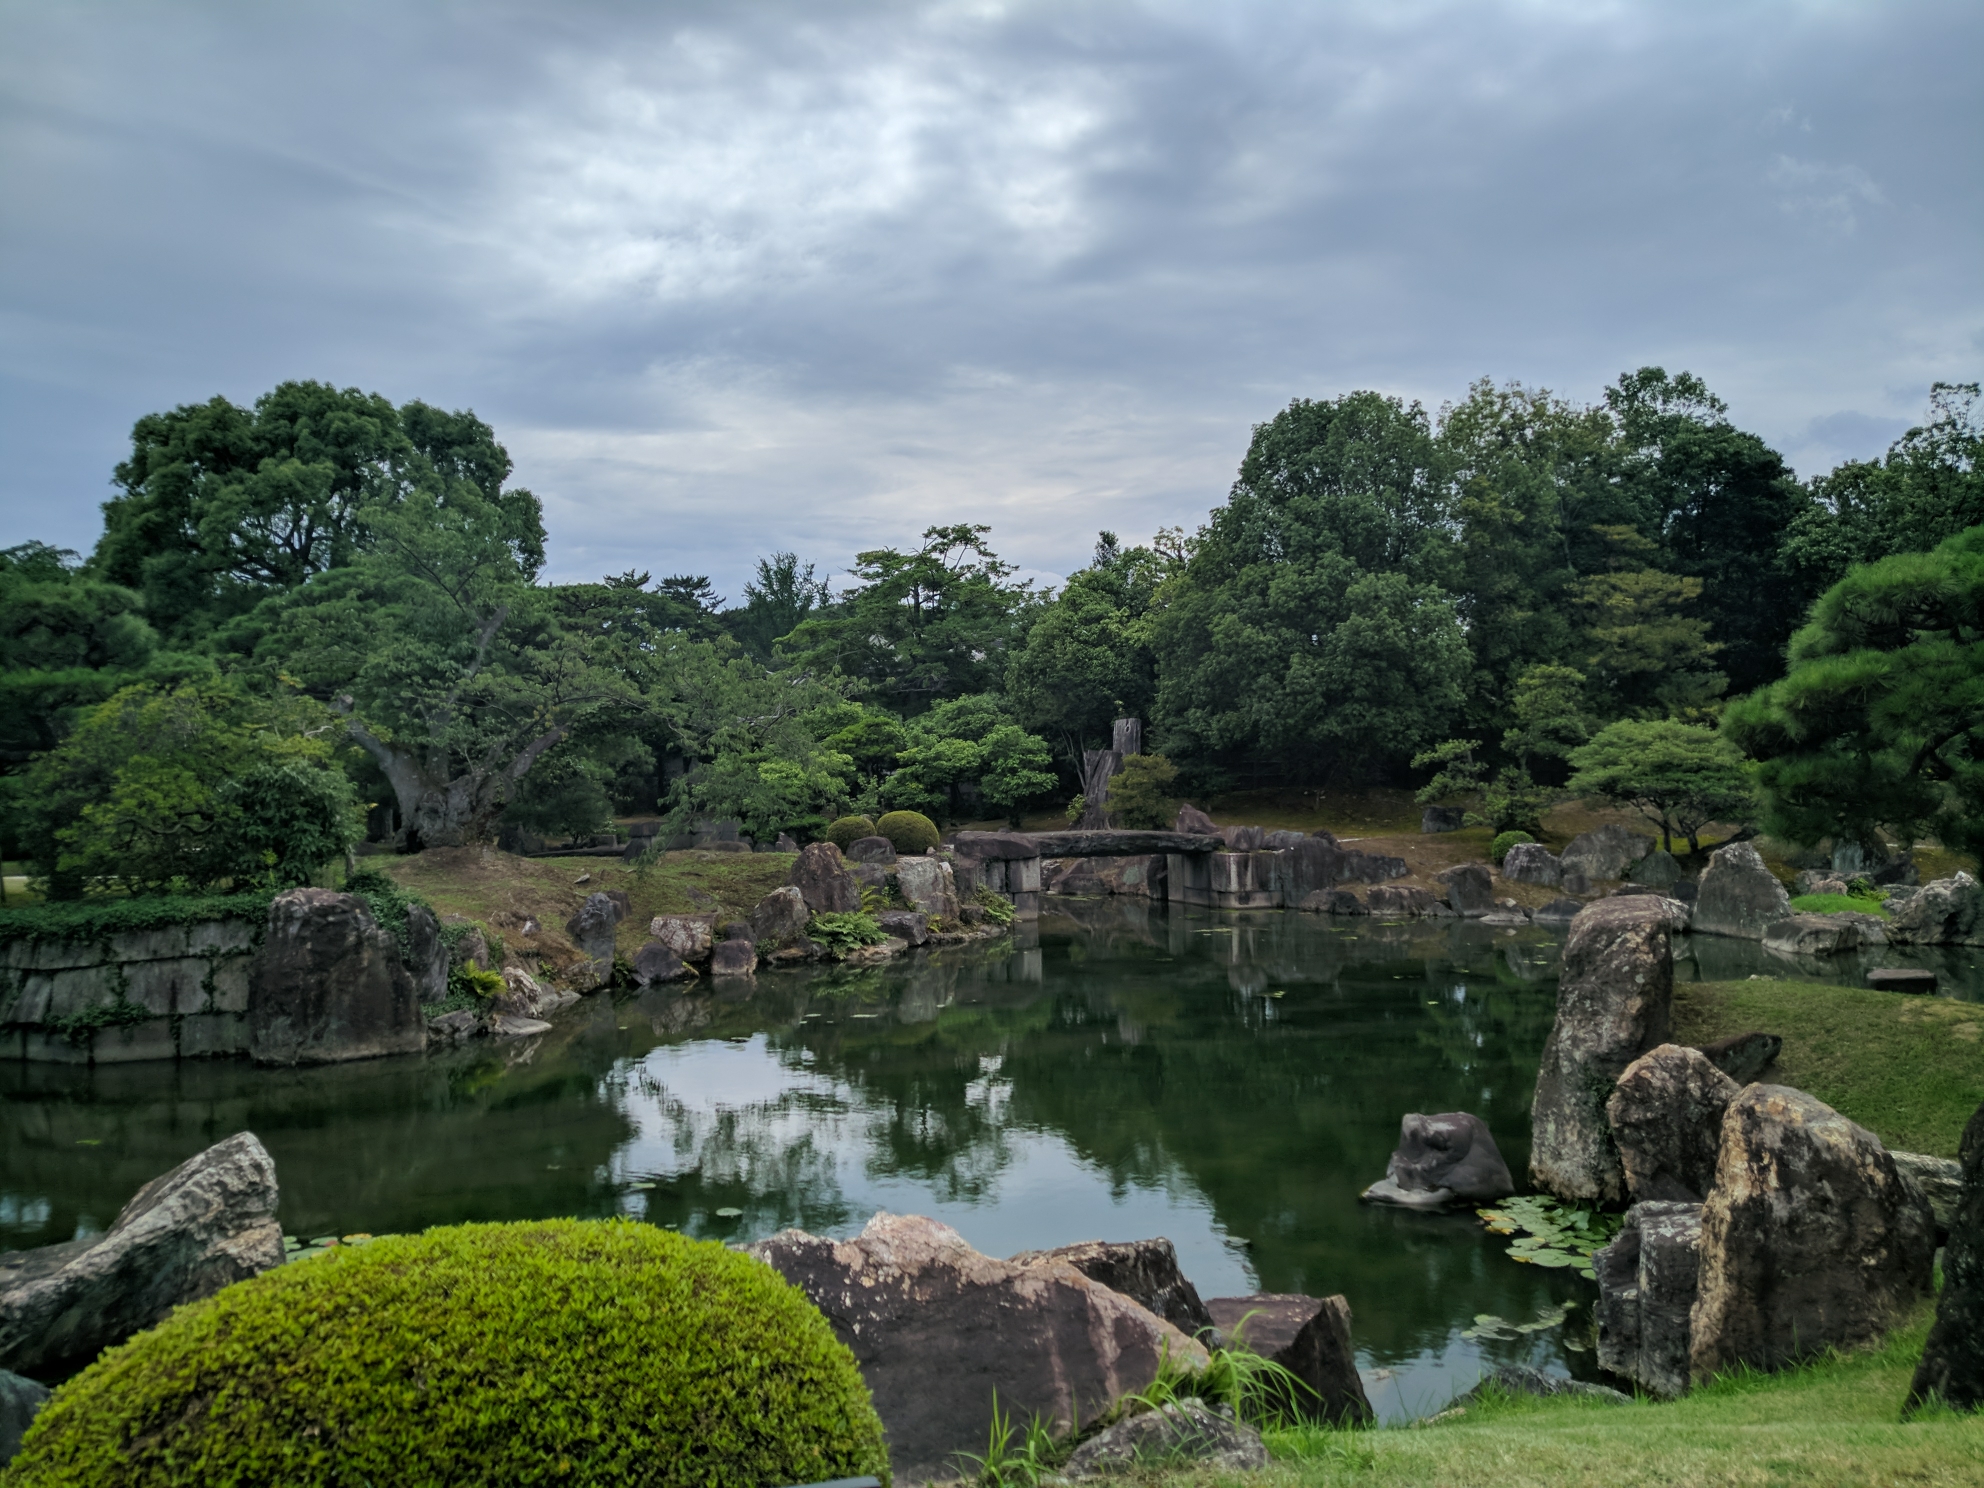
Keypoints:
pixel 849 829
pixel 562 1351
pixel 910 833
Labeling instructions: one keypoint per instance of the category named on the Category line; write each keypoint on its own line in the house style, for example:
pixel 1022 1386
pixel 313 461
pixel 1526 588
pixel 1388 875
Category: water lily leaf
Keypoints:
pixel 728 1213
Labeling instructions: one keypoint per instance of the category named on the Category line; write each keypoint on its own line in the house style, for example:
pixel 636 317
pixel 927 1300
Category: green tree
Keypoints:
pixel 776 598
pixel 1140 796
pixel 1644 651
pixel 1550 715
pixel 969 741
pixel 1879 723
pixel 1509 800
pixel 1679 776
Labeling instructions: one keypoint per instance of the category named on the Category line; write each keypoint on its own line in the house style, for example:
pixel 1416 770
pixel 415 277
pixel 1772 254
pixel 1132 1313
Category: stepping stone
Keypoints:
pixel 1901 979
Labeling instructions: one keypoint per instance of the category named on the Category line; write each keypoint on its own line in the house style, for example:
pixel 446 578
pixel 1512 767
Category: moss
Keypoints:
pixel 1499 848
pixel 568 1351
pixel 1838 904
pixel 910 833
pixel 849 829
pixel 93 919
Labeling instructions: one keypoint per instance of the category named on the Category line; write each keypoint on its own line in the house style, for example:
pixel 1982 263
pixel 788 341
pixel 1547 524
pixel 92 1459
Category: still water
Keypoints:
pixel 1228 1081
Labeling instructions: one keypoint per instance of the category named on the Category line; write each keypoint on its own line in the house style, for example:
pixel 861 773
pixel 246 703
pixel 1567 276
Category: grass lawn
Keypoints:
pixel 1908 1068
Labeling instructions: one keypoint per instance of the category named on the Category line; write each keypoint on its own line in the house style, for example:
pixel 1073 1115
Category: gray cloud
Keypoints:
pixel 731 277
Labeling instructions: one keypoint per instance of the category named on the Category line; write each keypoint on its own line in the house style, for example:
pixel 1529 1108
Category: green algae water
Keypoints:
pixel 1228 1081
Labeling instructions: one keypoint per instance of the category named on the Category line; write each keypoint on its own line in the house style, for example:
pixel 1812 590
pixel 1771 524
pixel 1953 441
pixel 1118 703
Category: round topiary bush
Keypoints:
pixel 910 833
pixel 1499 848
pixel 849 829
pixel 568 1351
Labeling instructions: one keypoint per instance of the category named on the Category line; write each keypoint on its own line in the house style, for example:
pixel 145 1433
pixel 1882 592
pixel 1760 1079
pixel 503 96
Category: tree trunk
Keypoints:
pixel 436 811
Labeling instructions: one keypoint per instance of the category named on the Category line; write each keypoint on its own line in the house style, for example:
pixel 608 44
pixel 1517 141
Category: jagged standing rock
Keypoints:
pixel 1941 1182
pixel 822 879
pixel 328 985
pixel 736 954
pixel 1443 1159
pixel 1307 1336
pixel 929 887
pixel 1648 1278
pixel 1606 852
pixel 1739 896
pixel 1470 889
pixel 690 936
pixel 591 930
pixel 1436 819
pixel 1948 911
pixel 656 961
pixel 1666 1119
pixel 1952 1366
pixel 426 956
pixel 905 924
pixel 1532 862
pixel 1186 1431
pixel 1145 1271
pixel 780 918
pixel 1191 819
pixel 1657 870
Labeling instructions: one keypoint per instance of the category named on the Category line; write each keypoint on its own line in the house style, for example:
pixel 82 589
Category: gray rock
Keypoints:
pixel 1666 1119
pixel 1186 1431
pixel 656 961
pixel 20 1399
pixel 1558 913
pixel 822 879
pixel 1818 881
pixel 1191 819
pixel 1336 902
pixel 1648 1278
pixel 737 957
pixel 1145 1271
pixel 1442 819
pixel 1614 1002
pixel 690 936
pixel 1575 881
pixel 1307 1336
pixel 328 985
pixel 1952 1367
pixel 780 918
pixel 454 1028
pixel 1399 900
pixel 1532 862
pixel 905 924
pixel 1523 1379
pixel 1244 839
pixel 785 843
pixel 425 956
pixel 208 1222
pixel 1470 889
pixel 1811 1237
pixel 1739 896
pixel 524 996
pixel 936 1328
pixel 509 1025
pixel 1941 1182
pixel 1657 870
pixel 1287 841
pixel 1949 911
pixel 1448 1158
pixel 871 850
pixel 1812 935
pixel 928 886
pixel 591 930
pixel 1606 852
pixel 1744 1056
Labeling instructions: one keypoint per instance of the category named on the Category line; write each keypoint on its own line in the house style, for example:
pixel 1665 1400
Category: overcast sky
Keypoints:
pixel 732 277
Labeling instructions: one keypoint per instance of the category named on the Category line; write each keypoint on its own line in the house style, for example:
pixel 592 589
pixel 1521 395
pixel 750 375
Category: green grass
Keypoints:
pixel 1835 1421
pixel 1838 904
pixel 1908 1068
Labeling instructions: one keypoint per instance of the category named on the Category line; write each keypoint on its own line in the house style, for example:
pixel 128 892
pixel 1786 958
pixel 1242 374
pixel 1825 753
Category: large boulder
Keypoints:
pixel 525 997
pixel 1307 1336
pixel 1952 1367
pixel 928 886
pixel 780 918
pixel 1182 1432
pixel 656 961
pixel 1666 1119
pixel 1659 869
pixel 1648 1278
pixel 591 930
pixel 426 955
pixel 1744 1056
pixel 1606 852
pixel 937 1328
pixel 871 850
pixel 690 936
pixel 1941 1182
pixel 1813 935
pixel 328 985
pixel 1615 995
pixel 1470 889
pixel 1532 862
pixel 1558 913
pixel 736 954
pixel 821 876
pixel 1443 1159
pixel 20 1399
pixel 1739 896
pixel 209 1222
pixel 1948 911
pixel 1811 1236
pixel 1145 1271
pixel 1402 900
pixel 905 924
pixel 1436 819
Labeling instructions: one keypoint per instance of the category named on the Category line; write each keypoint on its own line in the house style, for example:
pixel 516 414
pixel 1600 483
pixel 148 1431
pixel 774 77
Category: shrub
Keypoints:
pixel 1499 848
pixel 1139 797
pixel 849 829
pixel 576 1351
pixel 998 908
pixel 910 833
pixel 843 931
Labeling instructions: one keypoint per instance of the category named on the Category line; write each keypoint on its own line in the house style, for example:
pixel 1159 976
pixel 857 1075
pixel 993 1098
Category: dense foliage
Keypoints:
pixel 584 1352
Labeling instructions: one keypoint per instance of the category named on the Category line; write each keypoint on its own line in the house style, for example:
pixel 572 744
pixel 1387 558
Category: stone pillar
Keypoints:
pixel 1023 887
pixel 1100 766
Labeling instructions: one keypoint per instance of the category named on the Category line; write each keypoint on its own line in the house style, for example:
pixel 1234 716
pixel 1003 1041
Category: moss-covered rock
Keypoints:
pixel 910 833
pixel 849 829
pixel 568 1351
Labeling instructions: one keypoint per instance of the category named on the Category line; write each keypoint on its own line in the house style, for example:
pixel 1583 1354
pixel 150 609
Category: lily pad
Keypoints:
pixel 728 1213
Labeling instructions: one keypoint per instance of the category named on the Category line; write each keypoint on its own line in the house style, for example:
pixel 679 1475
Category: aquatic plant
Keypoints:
pixel 1553 1233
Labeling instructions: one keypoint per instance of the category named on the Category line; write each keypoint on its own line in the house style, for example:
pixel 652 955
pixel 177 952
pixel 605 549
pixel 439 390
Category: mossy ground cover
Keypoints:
pixel 1838 904
pixel 1908 1068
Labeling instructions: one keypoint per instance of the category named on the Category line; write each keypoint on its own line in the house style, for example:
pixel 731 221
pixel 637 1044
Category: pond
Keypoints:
pixel 1231 1081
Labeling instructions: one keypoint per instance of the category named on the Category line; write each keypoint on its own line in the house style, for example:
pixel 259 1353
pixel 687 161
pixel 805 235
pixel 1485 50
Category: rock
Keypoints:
pixel 906 923
pixel 1575 881
pixel 937 1328
pixel 1606 852
pixel 20 1399
pixel 1470 889
pixel 1810 1236
pixel 822 879
pixel 328 985
pixel 509 1025
pixel 1244 839
pixel 471 950
pixel 737 957
pixel 1523 1379
pixel 871 850
pixel 1287 841
pixel 1449 1158
pixel 780 918
pixel 1818 881
pixel 1657 870
pixel 656 961
pixel 1666 1119
pixel 426 957
pixel 1145 1271
pixel 1941 1182
pixel 1902 979
pixel 1558 913
pixel 1307 1336
pixel 1614 1002
pixel 1952 1366
pixel 1739 896
pixel 1812 935
pixel 690 936
pixel 1949 911
pixel 785 843
pixel 1191 819
pixel 453 1028
pixel 1901 870
pixel 928 886
pixel 1532 862
pixel 1336 902
pixel 1648 1278
pixel 208 1222
pixel 1442 819
pixel 1399 901
pixel 1744 1056
pixel 1184 1431
pixel 591 930
pixel 524 996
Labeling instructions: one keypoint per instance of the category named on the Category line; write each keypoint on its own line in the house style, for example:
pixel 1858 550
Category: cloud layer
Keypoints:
pixel 735 277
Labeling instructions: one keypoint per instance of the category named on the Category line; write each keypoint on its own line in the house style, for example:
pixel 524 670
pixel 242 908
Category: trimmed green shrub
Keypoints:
pixel 910 833
pixel 569 1351
pixel 849 829
pixel 1139 797
pixel 1499 848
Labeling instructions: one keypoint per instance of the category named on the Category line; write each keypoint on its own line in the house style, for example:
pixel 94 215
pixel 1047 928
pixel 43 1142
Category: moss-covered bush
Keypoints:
pixel 849 829
pixel 1499 848
pixel 910 833
pixel 567 1351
